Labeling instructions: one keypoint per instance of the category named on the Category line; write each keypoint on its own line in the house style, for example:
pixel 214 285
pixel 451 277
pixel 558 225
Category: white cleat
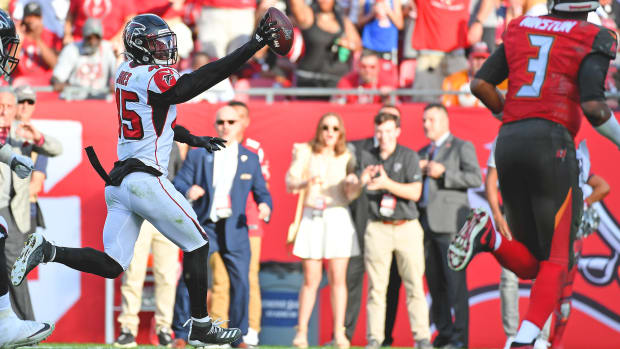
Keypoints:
pixel 468 241
pixel 16 333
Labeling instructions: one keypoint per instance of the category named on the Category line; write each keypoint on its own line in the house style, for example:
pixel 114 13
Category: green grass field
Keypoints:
pixel 103 346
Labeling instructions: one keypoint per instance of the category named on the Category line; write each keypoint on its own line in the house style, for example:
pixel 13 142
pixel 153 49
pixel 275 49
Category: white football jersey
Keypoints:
pixel 145 127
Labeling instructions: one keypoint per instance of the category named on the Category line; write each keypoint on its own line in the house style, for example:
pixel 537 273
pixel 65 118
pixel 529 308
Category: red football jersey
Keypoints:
pixel 544 55
pixel 441 25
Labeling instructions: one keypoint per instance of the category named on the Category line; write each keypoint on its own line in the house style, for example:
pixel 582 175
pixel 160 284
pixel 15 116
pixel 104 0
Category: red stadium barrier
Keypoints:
pixel 77 302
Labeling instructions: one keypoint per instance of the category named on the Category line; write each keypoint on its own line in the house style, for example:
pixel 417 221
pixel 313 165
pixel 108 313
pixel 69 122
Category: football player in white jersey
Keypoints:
pixel 13 331
pixel 147 91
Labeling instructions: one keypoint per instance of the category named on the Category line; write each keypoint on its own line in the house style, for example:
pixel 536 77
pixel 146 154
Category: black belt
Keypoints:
pixel 94 161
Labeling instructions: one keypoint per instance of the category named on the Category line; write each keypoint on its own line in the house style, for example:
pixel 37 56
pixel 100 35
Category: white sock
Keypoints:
pixel 498 240
pixel 53 253
pixel 527 332
pixel 203 320
pixel 5 302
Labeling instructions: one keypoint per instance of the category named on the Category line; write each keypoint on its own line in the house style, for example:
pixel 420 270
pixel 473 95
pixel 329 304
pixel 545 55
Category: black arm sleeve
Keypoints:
pixel 591 77
pixel 181 134
pixel 495 68
pixel 191 85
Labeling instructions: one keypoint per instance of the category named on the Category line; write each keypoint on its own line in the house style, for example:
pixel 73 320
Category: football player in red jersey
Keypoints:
pixel 556 67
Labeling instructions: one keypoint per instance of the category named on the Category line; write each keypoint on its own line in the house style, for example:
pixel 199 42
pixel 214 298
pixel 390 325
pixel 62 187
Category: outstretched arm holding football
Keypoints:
pixel 190 85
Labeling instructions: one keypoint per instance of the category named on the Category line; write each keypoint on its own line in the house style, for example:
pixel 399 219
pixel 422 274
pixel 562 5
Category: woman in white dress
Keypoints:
pixel 321 171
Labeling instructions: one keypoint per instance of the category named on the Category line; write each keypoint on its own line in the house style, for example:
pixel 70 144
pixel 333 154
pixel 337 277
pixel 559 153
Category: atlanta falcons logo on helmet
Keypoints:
pixel 149 40
pixel 132 32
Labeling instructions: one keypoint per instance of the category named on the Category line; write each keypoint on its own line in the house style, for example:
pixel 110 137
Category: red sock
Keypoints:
pixel 562 311
pixel 515 257
pixel 546 291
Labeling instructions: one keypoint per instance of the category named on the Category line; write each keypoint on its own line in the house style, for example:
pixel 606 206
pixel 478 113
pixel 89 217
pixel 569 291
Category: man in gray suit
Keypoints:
pixel 450 167
pixel 23 138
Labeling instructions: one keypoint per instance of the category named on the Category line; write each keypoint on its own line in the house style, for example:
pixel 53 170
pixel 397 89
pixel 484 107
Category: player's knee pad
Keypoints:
pixel 111 268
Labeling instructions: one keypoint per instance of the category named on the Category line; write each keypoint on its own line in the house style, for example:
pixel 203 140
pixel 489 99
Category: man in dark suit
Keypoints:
pixel 218 185
pixel 450 167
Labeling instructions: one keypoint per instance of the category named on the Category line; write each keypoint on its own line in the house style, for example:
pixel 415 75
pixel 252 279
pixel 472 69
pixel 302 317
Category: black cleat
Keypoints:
pixel 125 340
pixel 209 332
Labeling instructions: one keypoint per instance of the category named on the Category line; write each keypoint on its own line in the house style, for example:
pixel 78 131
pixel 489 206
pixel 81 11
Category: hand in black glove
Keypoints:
pixel 211 144
pixel 266 31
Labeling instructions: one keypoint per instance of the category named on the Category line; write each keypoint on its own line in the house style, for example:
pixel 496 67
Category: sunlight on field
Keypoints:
pixel 103 346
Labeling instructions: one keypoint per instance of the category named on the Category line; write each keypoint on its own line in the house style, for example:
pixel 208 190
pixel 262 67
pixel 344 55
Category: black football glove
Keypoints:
pixel 266 31
pixel 211 144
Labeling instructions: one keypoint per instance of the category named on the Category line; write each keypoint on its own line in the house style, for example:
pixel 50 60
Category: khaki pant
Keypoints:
pixel 405 241
pixel 220 293
pixel 165 271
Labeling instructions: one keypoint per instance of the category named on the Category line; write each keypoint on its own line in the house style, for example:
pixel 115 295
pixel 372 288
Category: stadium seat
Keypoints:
pixel 388 71
pixel 407 73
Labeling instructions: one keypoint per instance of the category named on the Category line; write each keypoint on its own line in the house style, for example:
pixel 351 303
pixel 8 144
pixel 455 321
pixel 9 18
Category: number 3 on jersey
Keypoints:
pixel 537 65
pixel 129 123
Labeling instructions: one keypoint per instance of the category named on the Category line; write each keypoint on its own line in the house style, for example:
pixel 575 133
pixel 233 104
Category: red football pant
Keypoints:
pixel 550 274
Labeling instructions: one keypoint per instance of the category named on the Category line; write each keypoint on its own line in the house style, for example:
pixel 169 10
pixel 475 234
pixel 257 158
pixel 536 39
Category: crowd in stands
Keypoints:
pixel 351 44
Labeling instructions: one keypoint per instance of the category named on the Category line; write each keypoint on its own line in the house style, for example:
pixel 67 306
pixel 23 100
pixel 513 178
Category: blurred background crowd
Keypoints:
pixel 74 45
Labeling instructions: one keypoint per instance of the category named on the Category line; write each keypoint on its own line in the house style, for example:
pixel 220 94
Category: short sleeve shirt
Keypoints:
pixel 41 164
pixel 491 161
pixel 402 166
pixel 79 69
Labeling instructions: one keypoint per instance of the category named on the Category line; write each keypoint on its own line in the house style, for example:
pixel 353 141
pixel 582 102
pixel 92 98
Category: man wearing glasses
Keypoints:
pixel 16 194
pixel 218 186
pixel 26 98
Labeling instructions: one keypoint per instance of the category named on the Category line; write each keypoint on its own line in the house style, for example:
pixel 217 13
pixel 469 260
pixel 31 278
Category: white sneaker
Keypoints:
pixel 251 338
pixel 18 333
pixel 541 344
pixel 509 341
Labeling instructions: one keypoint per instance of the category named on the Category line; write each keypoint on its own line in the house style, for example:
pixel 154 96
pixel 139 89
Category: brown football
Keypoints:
pixel 285 34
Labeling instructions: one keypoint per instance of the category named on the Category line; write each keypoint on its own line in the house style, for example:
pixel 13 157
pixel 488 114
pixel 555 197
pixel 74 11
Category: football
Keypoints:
pixel 285 34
